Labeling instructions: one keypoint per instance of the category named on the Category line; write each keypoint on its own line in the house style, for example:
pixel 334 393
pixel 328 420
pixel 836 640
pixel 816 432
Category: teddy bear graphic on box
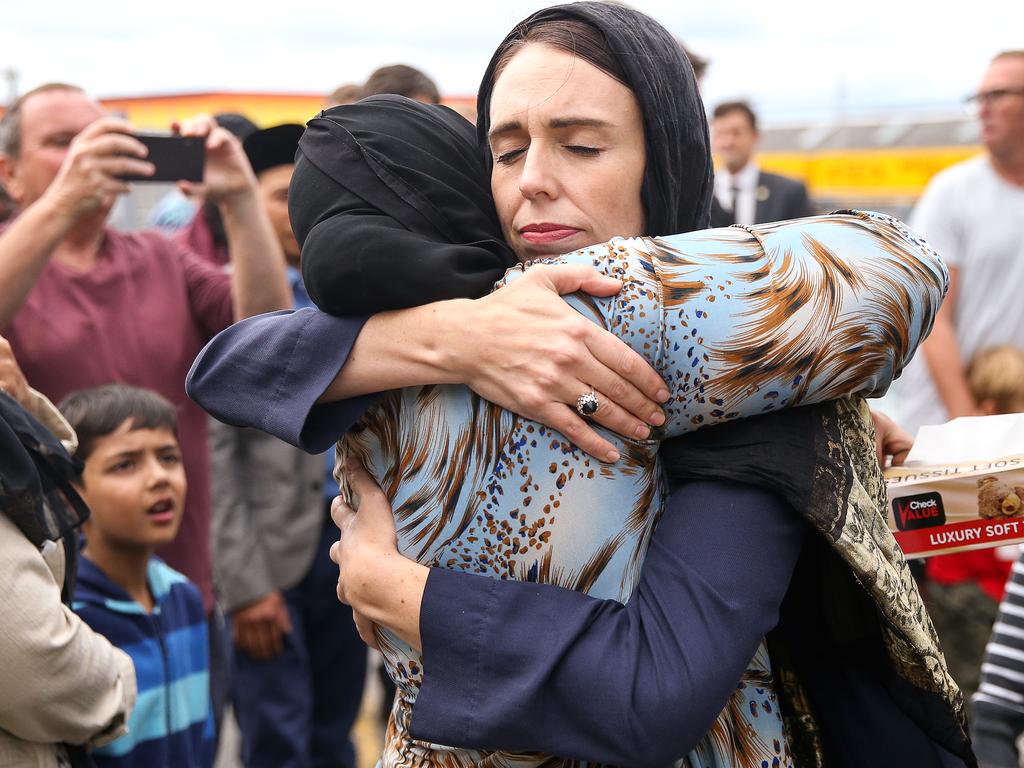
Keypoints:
pixel 997 499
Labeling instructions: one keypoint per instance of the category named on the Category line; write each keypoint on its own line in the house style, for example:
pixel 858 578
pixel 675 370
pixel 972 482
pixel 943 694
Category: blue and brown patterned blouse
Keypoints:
pixel 739 322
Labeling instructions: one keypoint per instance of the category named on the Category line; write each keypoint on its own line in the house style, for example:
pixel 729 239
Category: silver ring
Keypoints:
pixel 588 404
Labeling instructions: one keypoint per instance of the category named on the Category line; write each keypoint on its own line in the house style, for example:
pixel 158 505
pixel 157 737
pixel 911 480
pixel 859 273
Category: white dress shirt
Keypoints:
pixel 743 186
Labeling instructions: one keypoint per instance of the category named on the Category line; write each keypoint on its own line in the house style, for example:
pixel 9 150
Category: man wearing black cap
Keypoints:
pixel 299 664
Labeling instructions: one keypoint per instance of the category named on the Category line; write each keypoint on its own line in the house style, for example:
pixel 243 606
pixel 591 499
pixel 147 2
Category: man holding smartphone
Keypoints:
pixel 84 304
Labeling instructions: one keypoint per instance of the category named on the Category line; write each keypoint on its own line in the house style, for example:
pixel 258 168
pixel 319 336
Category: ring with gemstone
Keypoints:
pixel 588 404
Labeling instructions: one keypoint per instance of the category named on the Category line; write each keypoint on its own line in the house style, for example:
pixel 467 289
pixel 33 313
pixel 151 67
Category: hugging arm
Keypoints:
pixel 521 347
pixel 786 314
pixel 507 664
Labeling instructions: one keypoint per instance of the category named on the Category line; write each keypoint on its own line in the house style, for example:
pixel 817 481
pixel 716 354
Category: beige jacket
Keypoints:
pixel 59 680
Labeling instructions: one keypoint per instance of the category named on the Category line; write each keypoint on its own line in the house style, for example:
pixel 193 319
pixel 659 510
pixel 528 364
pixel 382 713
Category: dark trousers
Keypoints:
pixel 963 615
pixel 220 667
pixel 296 711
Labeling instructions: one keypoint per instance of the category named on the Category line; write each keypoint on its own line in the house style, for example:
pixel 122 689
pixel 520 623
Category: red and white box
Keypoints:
pixel 941 501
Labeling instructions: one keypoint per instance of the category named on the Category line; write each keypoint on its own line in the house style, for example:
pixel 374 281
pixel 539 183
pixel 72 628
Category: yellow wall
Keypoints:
pixel 264 109
pixel 158 112
pixel 893 173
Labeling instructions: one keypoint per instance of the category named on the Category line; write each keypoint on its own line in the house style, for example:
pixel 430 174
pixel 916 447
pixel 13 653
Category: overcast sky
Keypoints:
pixel 794 60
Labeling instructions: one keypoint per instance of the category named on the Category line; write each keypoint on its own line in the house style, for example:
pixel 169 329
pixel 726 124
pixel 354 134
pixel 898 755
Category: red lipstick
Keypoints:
pixel 545 232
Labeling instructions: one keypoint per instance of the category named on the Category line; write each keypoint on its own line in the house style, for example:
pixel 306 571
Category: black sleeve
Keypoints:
pixel 801 204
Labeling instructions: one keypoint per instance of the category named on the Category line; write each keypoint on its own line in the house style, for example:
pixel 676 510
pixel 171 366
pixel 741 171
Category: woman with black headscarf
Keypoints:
pixel 838 500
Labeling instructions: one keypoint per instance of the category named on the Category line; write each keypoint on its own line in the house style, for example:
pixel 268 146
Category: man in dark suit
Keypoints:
pixel 744 194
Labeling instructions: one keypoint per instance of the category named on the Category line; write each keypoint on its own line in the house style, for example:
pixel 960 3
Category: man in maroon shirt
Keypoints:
pixel 83 304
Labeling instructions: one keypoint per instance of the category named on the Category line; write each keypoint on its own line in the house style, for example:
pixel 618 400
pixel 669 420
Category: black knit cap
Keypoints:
pixel 238 124
pixel 678 178
pixel 271 147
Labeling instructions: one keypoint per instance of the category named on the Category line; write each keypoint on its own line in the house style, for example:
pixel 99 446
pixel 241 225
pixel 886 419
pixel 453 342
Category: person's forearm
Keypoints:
pixel 404 348
pixel 258 280
pixel 942 353
pixel 25 249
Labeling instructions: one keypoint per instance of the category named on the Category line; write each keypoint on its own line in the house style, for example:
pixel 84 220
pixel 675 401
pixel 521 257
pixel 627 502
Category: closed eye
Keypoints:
pixel 580 149
pixel 505 158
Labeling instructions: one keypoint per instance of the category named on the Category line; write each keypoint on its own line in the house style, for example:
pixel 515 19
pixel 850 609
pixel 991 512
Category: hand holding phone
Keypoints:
pixel 227 175
pixel 95 167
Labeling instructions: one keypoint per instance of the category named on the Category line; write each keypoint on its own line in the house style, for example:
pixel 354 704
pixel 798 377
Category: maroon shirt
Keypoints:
pixel 197 236
pixel 139 317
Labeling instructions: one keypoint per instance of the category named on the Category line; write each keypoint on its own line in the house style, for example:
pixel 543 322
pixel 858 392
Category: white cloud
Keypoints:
pixel 794 59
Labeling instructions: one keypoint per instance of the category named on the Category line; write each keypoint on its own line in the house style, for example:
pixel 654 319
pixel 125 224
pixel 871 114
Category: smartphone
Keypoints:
pixel 177 158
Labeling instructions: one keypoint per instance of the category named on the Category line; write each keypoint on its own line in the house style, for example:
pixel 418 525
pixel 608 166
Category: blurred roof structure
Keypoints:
pixel 943 129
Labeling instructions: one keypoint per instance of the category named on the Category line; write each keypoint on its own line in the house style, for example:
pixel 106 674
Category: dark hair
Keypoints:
pixel 10 123
pixel 732 107
pixel 7 206
pixel 349 93
pixel 402 80
pixel 699 63
pixel 637 51
pixel 575 37
pixel 1012 54
pixel 100 411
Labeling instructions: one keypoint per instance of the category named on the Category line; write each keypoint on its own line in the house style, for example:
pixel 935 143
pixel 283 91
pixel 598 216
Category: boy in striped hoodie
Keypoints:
pixel 134 484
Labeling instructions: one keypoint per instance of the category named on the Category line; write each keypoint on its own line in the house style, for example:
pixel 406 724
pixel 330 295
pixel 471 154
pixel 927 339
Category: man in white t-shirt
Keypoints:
pixel 973 214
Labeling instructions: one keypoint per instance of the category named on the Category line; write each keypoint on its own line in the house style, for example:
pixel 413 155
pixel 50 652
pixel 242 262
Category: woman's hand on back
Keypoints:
pixel 525 349
pixel 382 586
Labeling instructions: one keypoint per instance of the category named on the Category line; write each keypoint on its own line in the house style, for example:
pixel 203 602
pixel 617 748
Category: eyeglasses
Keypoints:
pixel 975 101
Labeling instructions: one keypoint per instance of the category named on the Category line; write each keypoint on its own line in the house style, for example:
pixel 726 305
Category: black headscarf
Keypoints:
pixel 36 491
pixel 678 178
pixel 391 204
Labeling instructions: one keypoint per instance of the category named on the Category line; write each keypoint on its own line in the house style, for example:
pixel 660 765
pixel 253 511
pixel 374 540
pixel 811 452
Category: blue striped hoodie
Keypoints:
pixel 172 723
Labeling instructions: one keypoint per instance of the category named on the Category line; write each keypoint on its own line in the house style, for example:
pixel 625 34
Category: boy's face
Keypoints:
pixel 134 484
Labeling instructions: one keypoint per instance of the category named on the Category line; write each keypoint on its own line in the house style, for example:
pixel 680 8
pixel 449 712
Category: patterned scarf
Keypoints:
pixel 843 499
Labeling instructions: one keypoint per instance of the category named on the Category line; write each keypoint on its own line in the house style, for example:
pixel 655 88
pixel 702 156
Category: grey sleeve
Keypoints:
pixel 241 571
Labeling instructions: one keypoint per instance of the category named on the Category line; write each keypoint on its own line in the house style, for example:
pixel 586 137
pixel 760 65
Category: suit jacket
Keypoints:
pixel 268 513
pixel 778 198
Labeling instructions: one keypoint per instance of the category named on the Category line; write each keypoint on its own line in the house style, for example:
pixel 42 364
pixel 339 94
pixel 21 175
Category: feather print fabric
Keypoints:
pixel 738 321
